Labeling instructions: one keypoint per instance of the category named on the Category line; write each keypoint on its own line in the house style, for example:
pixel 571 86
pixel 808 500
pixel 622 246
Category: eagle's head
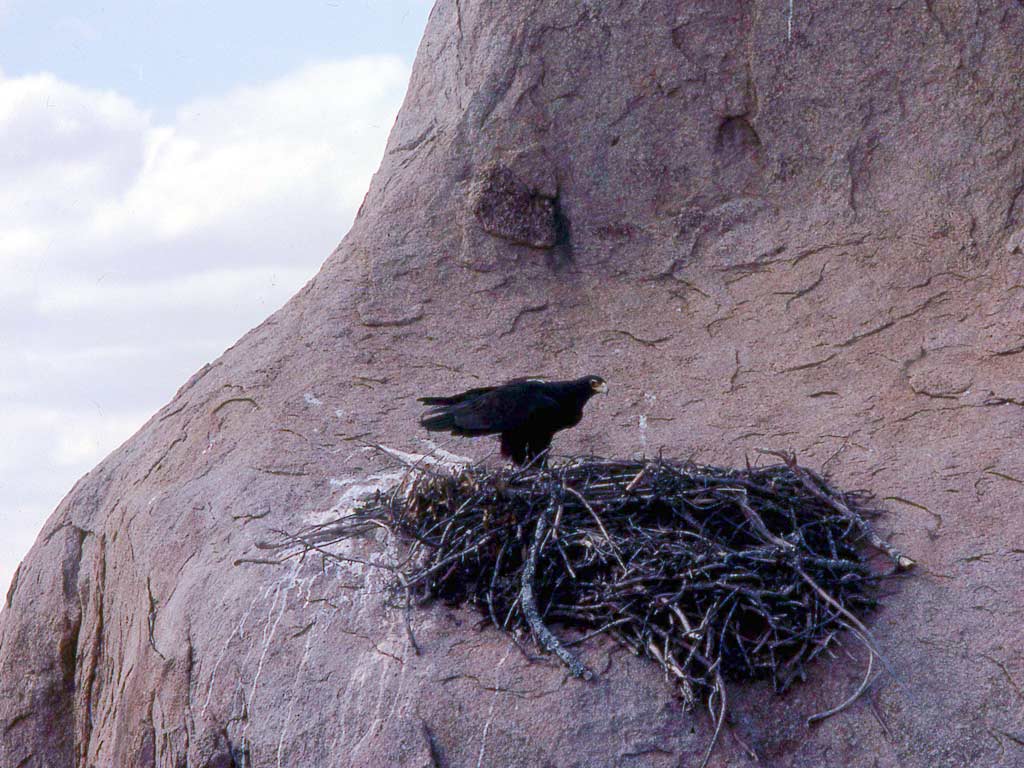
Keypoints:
pixel 598 386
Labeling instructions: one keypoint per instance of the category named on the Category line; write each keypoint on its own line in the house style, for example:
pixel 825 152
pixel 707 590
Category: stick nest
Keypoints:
pixel 713 573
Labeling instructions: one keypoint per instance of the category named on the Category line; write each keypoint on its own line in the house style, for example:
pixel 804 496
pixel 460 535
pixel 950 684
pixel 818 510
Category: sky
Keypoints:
pixel 171 172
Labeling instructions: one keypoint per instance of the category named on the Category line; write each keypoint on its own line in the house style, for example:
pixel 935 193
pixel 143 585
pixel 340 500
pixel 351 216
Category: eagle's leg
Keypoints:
pixel 537 454
pixel 512 447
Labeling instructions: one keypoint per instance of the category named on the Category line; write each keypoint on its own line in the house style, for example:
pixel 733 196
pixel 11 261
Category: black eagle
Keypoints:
pixel 525 412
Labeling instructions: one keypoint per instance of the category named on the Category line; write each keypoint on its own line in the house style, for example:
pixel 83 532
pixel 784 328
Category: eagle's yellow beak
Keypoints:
pixel 600 387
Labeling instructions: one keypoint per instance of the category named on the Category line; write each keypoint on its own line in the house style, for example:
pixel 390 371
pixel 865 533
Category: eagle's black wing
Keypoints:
pixel 509 408
pixel 469 394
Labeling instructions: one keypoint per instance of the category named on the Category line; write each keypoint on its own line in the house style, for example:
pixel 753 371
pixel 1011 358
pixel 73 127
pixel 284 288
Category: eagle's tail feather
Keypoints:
pixel 437 422
pixel 439 400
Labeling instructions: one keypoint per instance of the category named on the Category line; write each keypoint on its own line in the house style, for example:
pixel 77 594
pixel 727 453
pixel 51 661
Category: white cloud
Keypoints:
pixel 58 438
pixel 224 287
pixel 86 170
pixel 64 148
pixel 313 137
pixel 133 251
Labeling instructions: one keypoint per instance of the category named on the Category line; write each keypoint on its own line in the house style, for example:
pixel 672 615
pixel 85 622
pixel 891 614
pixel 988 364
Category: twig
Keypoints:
pixel 719 690
pixel 856 695
pixel 863 632
pixel 901 561
pixel 405 613
pixel 758 523
pixel 597 520
pixel 636 479
pixel 544 635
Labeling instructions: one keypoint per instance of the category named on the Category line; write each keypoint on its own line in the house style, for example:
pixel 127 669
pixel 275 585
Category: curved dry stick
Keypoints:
pixel 902 562
pixel 860 630
pixel 529 604
pixel 405 612
pixel 720 690
pixel 590 509
pixel 857 694
pixel 758 524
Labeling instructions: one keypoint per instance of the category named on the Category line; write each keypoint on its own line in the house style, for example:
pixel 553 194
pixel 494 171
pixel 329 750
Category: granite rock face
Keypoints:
pixel 777 225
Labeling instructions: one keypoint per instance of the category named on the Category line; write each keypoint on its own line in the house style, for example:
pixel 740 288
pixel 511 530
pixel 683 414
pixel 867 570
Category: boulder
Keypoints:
pixel 775 226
